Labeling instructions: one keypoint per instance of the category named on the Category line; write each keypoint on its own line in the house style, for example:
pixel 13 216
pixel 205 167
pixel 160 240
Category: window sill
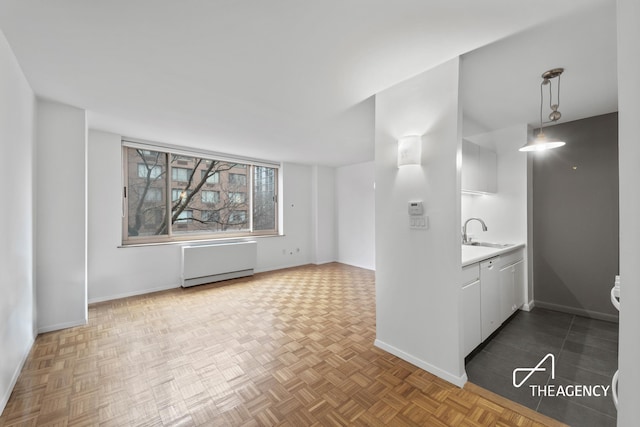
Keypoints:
pixel 221 240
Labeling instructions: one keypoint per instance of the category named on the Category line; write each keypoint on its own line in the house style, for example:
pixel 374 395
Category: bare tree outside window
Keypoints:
pixel 206 195
pixel 147 191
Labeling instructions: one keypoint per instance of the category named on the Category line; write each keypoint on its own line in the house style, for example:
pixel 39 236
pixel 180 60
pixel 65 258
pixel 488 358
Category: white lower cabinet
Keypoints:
pixel 471 316
pixel 492 291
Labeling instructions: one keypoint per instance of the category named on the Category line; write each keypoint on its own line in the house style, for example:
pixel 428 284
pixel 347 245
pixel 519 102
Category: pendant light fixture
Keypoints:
pixel 541 141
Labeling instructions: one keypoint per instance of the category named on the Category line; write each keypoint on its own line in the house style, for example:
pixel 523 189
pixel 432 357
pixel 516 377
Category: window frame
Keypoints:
pixel 171 237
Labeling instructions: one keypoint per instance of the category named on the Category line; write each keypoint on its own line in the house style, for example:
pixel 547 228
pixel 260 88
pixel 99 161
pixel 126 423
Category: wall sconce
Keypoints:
pixel 541 141
pixel 410 150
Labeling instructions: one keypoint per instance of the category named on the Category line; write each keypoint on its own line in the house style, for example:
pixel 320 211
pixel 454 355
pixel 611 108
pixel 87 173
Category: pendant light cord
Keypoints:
pixel 558 102
pixel 549 82
pixel 541 103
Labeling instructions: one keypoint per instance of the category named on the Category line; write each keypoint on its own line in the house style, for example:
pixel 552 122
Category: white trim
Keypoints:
pixel 362 266
pixel 324 261
pixel 529 306
pixel 16 374
pixel 459 381
pixel 197 152
pixel 132 294
pixel 58 326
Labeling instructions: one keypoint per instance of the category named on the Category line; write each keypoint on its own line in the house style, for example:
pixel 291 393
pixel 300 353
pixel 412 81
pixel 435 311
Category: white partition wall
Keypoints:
pixel 61 216
pixel 629 154
pixel 17 288
pixel 355 201
pixel 418 270
pixel 324 214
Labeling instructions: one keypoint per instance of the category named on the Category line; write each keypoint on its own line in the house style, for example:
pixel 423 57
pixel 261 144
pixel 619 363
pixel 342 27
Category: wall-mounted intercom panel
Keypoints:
pixel 417 218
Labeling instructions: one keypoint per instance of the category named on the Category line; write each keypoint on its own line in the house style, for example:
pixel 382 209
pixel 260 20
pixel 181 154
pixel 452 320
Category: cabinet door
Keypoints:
pixel 479 168
pixel 471 334
pixel 511 289
pixel 518 284
pixel 507 292
pixel 489 297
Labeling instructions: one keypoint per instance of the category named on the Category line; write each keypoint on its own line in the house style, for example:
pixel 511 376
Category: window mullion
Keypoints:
pixel 168 194
pixel 251 195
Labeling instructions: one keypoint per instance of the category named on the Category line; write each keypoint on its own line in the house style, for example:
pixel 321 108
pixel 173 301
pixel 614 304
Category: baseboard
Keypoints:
pixel 578 311
pixel 529 306
pixel 326 261
pixel 447 376
pixel 16 374
pixel 65 325
pixel 132 294
pixel 364 267
pixel 280 267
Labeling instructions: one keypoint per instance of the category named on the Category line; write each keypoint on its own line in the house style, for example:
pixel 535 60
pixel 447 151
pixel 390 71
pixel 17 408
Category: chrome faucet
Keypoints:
pixel 465 240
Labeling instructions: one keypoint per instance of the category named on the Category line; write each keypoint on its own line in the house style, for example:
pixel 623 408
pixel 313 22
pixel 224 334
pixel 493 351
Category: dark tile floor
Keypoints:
pixel 585 352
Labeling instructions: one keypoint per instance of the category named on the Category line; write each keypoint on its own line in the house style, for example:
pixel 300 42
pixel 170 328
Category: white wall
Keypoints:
pixel 116 272
pixel 629 156
pixel 61 238
pixel 505 212
pixel 17 290
pixel 324 213
pixel 418 271
pixel 355 202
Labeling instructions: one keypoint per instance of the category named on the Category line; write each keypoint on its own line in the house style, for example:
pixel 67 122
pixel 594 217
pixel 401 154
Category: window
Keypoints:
pixel 145 193
pixel 211 216
pixel 238 217
pixel 185 217
pixel 171 196
pixel 153 195
pixel 237 198
pixel 210 196
pixel 211 178
pixel 180 174
pixel 264 198
pixel 178 194
pixel 237 179
pixel 153 171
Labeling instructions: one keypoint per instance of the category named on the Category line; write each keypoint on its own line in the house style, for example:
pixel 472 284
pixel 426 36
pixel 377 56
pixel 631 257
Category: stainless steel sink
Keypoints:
pixel 489 244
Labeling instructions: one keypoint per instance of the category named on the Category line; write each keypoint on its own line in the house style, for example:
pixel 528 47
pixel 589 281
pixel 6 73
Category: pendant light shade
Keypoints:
pixel 541 142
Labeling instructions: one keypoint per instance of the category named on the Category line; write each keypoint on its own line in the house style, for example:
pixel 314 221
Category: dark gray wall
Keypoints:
pixel 575 218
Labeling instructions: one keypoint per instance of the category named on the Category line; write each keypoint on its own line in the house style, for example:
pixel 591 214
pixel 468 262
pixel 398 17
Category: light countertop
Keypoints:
pixel 473 254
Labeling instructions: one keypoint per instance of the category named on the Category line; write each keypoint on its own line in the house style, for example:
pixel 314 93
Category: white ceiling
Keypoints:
pixel 500 83
pixel 282 80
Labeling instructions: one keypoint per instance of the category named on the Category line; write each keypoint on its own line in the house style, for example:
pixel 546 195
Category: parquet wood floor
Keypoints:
pixel 288 348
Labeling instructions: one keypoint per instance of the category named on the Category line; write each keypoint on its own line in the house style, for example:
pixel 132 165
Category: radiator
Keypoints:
pixel 212 263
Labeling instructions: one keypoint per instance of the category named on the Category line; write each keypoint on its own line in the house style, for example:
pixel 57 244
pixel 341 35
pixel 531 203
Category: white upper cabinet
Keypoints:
pixel 479 168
